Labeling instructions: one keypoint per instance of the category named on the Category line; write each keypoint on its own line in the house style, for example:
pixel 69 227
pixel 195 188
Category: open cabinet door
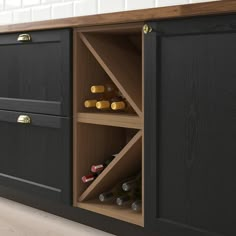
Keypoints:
pixel 190 127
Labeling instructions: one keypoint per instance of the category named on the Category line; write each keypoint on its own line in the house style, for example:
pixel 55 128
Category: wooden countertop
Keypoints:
pixel 189 10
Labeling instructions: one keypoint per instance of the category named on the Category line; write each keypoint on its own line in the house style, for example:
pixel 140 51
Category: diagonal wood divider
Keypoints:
pixel 121 62
pixel 126 163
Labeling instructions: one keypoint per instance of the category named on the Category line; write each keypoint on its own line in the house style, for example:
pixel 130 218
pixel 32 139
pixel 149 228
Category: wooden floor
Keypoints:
pixel 20 220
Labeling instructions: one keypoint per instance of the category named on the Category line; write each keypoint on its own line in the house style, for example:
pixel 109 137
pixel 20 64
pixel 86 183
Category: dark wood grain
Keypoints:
pixel 36 158
pixel 192 148
pixel 36 76
pixel 199 9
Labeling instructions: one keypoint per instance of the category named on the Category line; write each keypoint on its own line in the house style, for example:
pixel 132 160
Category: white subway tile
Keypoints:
pixel 51 1
pixel 22 15
pixel 1 5
pixel 62 10
pixel 6 17
pixel 162 3
pixel 11 4
pixel 111 6
pixel 85 7
pixel 41 13
pixel 30 2
pixel 140 4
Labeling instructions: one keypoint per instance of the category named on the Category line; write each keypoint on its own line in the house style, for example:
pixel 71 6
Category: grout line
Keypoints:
pixel 98 6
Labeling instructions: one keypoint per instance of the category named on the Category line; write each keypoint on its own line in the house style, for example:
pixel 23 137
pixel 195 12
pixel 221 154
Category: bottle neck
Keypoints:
pixel 108 196
pixel 123 200
pixel 89 178
pixel 101 105
pixel 90 103
pixel 137 206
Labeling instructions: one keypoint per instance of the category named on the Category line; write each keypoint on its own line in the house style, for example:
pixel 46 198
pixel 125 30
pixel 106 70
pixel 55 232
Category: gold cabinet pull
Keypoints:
pixel 24 38
pixel 24 119
pixel 147 29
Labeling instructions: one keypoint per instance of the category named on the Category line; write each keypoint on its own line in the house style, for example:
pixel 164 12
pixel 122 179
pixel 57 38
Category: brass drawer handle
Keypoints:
pixel 24 119
pixel 24 38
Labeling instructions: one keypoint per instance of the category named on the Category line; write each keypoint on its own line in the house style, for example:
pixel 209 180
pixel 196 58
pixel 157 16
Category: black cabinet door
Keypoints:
pixel 36 157
pixel 36 74
pixel 190 127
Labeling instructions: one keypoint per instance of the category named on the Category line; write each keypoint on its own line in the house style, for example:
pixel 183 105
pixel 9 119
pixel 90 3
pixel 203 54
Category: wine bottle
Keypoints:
pixel 121 105
pixel 137 206
pixel 132 184
pixel 89 178
pixel 100 167
pixel 111 194
pixel 127 197
pixel 108 88
pixel 103 105
pixel 90 103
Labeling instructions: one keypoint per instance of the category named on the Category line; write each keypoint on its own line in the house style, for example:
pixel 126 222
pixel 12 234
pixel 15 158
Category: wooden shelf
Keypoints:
pixel 117 120
pixel 121 61
pixel 113 211
pixel 103 55
pixel 126 163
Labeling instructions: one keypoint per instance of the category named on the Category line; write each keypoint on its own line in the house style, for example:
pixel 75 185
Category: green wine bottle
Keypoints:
pixel 111 194
pixel 137 206
pixel 133 183
pixel 128 197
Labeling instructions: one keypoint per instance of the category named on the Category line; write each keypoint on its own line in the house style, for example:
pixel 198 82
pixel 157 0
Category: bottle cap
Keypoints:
pixel 122 200
pixel 119 201
pixel 125 187
pixel 97 168
pixel 136 206
pixel 90 103
pixel 118 105
pixel 103 105
pixel 97 89
pixel 88 178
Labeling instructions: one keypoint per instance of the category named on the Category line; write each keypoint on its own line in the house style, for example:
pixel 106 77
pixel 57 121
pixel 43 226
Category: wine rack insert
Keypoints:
pixel 107 55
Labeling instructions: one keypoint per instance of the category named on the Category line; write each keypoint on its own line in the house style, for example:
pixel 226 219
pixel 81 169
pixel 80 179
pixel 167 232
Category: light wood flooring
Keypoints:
pixel 20 220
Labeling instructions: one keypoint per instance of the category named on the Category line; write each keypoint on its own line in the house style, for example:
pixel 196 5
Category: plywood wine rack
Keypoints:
pixel 107 54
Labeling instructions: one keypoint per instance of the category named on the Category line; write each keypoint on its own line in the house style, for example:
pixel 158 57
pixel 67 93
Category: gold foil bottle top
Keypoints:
pixel 98 89
pixel 90 103
pixel 118 105
pixel 103 105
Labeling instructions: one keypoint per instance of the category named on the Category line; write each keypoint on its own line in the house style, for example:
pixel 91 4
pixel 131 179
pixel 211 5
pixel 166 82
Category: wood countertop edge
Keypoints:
pixel 189 10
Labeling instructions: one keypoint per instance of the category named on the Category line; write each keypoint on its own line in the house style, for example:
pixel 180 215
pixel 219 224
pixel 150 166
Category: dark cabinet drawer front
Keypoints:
pixel 36 156
pixel 36 76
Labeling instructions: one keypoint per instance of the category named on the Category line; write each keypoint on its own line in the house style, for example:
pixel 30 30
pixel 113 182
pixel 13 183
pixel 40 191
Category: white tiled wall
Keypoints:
pixel 18 11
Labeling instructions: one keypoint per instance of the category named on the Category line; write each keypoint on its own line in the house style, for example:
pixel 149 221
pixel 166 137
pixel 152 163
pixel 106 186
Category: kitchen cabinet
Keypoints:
pixel 190 126
pixel 176 75
pixel 35 158
pixel 36 72
pixel 35 113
